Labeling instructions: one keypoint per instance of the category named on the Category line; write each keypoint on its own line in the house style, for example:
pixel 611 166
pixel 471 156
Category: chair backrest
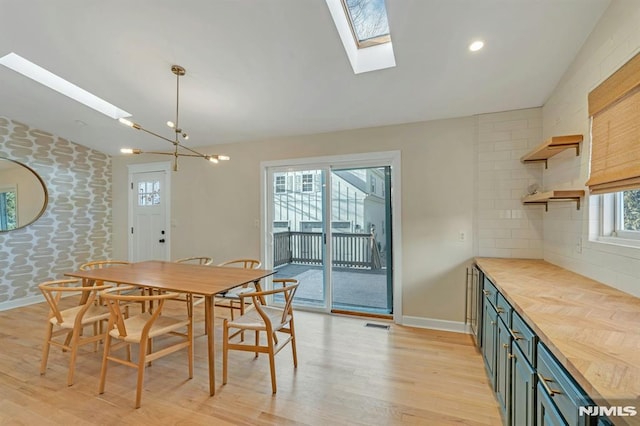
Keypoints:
pixel 98 264
pixel 288 290
pixel 197 260
pixel 53 291
pixel 117 298
pixel 243 263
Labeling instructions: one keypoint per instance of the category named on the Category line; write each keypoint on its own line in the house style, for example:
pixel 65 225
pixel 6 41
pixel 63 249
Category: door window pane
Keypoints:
pixel 149 193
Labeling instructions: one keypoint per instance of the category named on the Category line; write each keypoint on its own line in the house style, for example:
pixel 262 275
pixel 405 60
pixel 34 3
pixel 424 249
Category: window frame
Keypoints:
pixel 610 222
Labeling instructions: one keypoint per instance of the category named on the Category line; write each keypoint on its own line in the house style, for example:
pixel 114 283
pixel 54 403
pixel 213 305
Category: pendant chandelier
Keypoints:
pixel 179 150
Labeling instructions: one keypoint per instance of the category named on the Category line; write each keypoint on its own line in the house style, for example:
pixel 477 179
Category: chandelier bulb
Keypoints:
pixel 171 124
pixel 185 136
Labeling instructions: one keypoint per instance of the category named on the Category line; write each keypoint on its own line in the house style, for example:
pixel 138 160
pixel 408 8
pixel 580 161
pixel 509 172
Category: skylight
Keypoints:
pixel 364 31
pixel 60 85
pixel 368 21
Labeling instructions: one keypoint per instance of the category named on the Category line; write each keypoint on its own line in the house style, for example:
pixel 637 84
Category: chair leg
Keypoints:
pixel 257 340
pixel 45 349
pixel 293 343
pixel 141 365
pixel 105 361
pixel 225 350
pixel 190 347
pixel 272 368
pixel 74 355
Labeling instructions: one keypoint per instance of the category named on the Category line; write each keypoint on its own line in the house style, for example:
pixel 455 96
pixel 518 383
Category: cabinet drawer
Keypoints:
pixel 490 291
pixel 504 309
pixel 524 337
pixel 560 387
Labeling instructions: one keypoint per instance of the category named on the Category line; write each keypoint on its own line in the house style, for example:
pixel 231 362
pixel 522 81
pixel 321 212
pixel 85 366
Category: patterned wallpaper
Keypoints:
pixel 76 226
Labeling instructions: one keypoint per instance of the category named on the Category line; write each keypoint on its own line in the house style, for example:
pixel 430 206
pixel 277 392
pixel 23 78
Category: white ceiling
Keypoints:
pixel 259 69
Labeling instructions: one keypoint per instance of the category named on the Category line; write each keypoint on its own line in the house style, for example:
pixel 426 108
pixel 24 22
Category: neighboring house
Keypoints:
pixel 357 201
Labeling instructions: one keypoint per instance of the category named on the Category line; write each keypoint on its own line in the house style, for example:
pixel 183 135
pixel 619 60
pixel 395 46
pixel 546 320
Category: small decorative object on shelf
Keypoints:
pixel 555 195
pixel 551 147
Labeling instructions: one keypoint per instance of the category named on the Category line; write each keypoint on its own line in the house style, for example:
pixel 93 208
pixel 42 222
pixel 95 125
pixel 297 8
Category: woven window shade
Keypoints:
pixel 615 131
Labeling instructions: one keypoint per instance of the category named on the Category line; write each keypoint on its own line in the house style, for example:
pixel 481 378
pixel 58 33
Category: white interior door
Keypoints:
pixel 149 206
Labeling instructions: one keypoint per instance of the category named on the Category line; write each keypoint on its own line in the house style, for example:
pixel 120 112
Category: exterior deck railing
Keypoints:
pixel 349 250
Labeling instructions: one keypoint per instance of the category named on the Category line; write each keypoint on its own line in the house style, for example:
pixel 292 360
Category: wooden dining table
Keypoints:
pixel 206 281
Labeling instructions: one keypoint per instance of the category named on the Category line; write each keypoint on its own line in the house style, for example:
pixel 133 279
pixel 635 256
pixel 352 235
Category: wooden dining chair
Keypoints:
pixel 71 321
pixel 100 264
pixel 141 329
pixel 230 299
pixel 273 321
pixel 196 260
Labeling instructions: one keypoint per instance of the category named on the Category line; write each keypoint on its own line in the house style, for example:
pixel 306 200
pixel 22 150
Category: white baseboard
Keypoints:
pixel 436 324
pixel 25 301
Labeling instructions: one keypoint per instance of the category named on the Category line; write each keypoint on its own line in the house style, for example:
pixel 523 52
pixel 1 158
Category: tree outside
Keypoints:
pixel 631 210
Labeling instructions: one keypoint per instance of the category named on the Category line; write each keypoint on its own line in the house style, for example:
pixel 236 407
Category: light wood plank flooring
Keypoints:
pixel 347 374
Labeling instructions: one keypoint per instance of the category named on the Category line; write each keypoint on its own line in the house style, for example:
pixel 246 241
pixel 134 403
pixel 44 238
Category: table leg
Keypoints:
pixel 208 309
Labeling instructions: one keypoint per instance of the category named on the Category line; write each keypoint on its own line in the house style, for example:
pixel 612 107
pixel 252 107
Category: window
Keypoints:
pixel 627 218
pixel 8 210
pixel 149 193
pixel 368 21
pixel 280 184
pixel 364 32
pixel 307 182
pixel 619 218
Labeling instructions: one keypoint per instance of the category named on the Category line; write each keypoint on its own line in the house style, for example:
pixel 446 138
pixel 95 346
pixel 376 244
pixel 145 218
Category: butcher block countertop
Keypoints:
pixel 593 329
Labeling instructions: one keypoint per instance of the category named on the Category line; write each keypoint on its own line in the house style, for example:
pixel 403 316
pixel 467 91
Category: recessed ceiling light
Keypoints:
pixel 476 45
pixel 60 85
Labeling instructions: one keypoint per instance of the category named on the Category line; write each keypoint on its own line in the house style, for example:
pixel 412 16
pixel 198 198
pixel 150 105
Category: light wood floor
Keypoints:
pixel 347 374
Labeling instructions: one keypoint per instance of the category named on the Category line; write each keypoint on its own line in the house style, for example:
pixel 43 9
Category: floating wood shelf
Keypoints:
pixel 551 147
pixel 557 195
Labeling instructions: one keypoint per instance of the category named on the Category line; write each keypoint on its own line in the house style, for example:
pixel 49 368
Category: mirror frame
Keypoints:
pixel 44 188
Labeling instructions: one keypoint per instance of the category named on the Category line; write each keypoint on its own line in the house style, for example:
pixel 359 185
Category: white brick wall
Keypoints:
pixel 505 227
pixel 615 40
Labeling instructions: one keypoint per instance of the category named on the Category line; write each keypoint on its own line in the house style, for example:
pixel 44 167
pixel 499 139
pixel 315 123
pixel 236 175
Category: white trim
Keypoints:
pixel 436 324
pixel 371 159
pixel 18 303
pixel 163 166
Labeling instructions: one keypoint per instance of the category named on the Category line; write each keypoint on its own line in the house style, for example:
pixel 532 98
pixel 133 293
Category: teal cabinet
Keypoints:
pixel 503 368
pixel 546 412
pixel 522 389
pixel 489 334
pixel 531 386
pixel 558 385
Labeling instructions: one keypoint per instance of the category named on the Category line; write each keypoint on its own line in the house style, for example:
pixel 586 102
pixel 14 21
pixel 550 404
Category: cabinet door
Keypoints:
pixel 546 412
pixel 489 327
pixel 522 389
pixel 503 367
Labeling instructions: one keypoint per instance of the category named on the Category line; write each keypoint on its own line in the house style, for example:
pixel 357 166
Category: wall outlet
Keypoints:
pixel 579 245
pixel 462 236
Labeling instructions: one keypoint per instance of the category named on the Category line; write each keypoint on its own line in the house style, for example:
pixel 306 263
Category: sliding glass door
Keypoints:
pixel 298 231
pixel 330 228
pixel 361 248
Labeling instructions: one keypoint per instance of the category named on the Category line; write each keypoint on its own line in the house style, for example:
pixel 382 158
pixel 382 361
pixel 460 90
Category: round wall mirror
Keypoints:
pixel 23 195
